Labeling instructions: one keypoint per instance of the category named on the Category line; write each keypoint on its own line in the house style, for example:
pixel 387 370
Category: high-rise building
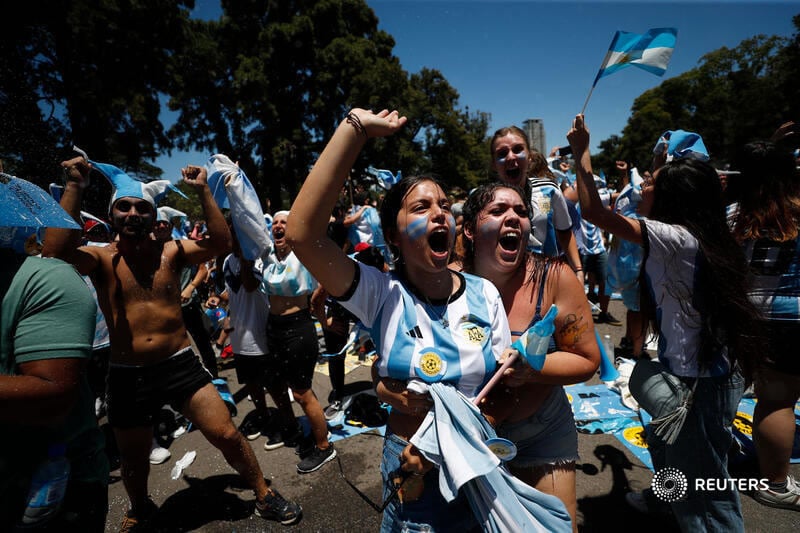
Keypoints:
pixel 534 129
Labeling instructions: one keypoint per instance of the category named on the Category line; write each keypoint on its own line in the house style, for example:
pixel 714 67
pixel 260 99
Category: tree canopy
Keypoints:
pixel 268 82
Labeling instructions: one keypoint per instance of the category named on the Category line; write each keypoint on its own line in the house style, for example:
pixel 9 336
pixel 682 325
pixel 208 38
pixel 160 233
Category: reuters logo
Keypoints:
pixel 669 485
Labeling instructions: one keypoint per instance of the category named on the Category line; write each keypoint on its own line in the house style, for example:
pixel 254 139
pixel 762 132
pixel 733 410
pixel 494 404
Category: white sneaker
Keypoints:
pixel 782 500
pixel 158 454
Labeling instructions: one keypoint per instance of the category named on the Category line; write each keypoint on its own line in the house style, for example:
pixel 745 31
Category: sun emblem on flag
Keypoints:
pixel 625 58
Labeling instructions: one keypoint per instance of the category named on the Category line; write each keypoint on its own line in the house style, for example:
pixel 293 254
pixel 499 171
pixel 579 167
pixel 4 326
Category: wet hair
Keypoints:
pixel 476 202
pixel 390 208
pixel 768 193
pixel 688 193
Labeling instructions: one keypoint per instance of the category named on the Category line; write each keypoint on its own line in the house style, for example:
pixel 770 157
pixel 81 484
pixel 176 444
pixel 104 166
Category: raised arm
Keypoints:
pixel 591 205
pixel 306 229
pixel 219 241
pixel 65 243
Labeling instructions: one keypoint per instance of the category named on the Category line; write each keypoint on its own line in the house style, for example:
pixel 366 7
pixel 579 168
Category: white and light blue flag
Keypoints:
pixel 650 51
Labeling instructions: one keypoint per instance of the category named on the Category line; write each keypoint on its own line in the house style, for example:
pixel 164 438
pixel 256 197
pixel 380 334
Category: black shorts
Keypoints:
pixel 293 349
pixel 251 368
pixel 137 393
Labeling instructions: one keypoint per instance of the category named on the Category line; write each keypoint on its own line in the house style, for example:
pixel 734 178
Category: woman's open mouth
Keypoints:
pixel 439 241
pixel 513 174
pixel 510 240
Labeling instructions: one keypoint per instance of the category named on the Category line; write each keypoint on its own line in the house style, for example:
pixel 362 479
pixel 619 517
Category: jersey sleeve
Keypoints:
pixel 561 218
pixel 665 241
pixel 369 294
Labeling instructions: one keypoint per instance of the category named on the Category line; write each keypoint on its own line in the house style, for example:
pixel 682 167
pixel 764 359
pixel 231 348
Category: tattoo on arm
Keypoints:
pixel 573 329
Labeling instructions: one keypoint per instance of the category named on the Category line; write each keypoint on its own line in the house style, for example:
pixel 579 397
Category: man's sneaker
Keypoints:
pixel 607 318
pixel 252 426
pixel 333 410
pixel 316 459
pixel 142 521
pixel 158 454
pixel 337 406
pixel 276 508
pixel 274 440
pixel 782 500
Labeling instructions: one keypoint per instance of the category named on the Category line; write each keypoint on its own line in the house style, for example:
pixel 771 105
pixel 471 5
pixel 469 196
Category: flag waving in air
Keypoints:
pixel 650 51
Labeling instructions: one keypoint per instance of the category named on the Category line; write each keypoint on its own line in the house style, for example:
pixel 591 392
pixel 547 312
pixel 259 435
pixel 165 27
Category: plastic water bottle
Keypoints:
pixel 48 486
pixel 608 345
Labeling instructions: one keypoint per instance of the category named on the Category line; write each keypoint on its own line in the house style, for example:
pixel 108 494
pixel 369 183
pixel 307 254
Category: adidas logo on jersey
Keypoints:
pixel 414 333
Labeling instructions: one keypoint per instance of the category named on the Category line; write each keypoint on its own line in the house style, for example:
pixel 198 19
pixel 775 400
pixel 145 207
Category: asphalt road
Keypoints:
pixel 210 497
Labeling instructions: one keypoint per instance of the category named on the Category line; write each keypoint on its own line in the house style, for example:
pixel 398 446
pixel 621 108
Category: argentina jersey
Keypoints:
pixel 458 343
pixel 776 278
pixel 549 213
pixel 287 277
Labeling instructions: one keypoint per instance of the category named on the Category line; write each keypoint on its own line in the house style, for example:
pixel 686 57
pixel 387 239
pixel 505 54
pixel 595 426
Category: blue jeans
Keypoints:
pixel 701 452
pixel 431 512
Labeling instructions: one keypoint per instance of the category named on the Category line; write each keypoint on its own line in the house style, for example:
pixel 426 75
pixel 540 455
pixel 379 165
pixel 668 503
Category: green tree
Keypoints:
pixel 732 97
pixel 95 70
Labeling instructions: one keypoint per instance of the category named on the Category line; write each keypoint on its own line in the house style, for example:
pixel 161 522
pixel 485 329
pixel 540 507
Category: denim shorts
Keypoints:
pixel 596 264
pixel 547 437
pixel 431 512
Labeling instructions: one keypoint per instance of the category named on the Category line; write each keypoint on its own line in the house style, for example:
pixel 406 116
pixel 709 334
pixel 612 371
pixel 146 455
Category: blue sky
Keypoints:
pixel 523 59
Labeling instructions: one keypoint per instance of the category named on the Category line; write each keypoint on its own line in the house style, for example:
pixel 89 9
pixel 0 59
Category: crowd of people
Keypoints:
pixel 705 262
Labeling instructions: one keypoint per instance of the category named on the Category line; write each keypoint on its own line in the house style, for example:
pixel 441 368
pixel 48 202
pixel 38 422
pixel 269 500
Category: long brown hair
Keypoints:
pixel 769 194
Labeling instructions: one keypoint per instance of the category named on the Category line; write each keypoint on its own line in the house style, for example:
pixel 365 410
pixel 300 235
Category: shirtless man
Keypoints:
pixel 152 362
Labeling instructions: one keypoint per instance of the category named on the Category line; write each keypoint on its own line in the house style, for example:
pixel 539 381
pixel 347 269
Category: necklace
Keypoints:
pixel 443 315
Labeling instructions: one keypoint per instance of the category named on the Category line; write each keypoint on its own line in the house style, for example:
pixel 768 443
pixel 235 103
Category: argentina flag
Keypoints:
pixel 650 51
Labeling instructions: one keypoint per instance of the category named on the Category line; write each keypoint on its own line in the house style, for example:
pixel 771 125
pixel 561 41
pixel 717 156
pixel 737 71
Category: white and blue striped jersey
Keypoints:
pixel 549 213
pixel 468 335
pixel 776 278
pixel 592 243
pixel 287 277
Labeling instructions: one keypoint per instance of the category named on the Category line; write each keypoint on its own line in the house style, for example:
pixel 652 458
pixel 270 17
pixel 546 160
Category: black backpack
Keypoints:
pixel 366 410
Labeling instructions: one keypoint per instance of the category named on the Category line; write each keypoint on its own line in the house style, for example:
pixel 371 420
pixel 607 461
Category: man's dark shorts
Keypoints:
pixel 137 393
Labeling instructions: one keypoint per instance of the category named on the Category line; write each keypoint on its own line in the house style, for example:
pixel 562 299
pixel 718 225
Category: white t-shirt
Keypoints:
pixel 671 269
pixel 248 311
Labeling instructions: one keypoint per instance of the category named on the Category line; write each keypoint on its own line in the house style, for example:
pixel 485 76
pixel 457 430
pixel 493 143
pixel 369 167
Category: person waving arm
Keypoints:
pixel 308 220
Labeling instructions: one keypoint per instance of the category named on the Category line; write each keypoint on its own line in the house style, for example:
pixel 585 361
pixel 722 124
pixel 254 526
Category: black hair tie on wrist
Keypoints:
pixel 354 121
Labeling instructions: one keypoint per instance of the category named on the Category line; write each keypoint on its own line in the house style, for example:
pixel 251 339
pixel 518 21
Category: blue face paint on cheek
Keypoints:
pixel 416 230
pixel 489 228
pixel 451 221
